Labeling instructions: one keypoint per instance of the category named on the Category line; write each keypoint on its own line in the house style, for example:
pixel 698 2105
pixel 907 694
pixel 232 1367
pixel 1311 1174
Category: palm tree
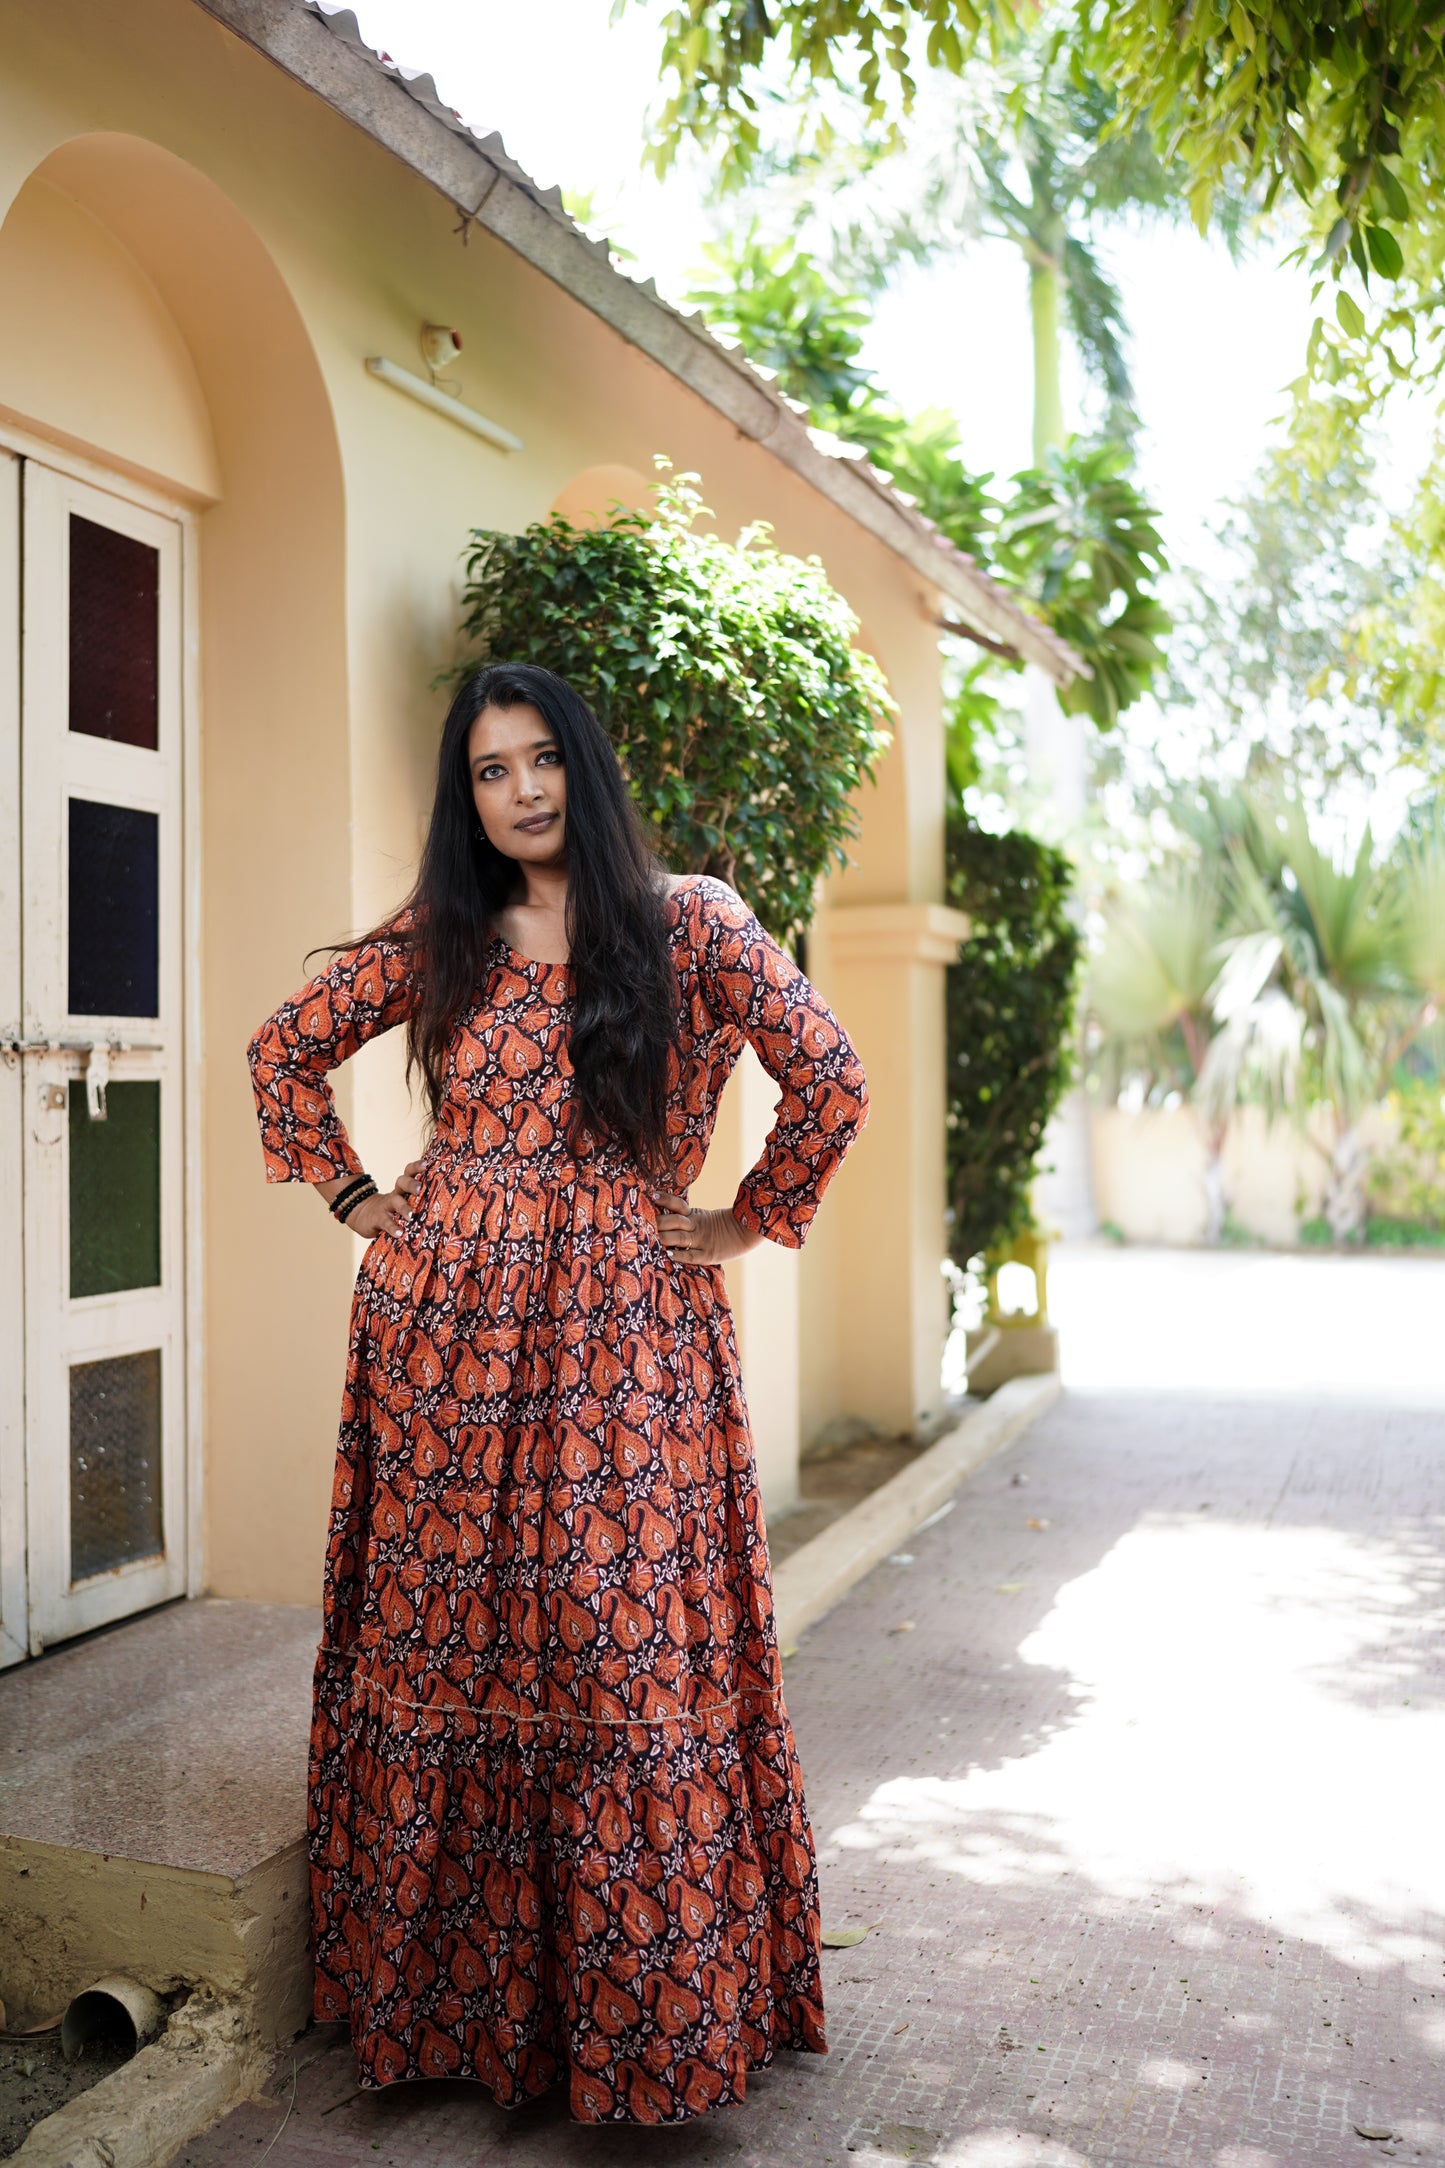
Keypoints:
pixel 1024 151
pixel 1148 997
pixel 1289 977
pixel 1334 966
pixel 1073 175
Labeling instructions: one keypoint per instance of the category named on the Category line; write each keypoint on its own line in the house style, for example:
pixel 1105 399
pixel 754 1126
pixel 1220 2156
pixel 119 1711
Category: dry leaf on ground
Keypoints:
pixel 1035 1521
pixel 843 1938
pixel 904 1626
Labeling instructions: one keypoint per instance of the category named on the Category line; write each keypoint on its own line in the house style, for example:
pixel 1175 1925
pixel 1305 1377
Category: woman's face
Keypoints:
pixel 519 785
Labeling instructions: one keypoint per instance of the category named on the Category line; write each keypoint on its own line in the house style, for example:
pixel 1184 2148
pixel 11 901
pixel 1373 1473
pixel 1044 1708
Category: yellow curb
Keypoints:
pixel 819 1573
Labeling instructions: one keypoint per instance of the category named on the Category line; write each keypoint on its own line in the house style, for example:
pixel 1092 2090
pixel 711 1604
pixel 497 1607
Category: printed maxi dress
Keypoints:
pixel 557 1824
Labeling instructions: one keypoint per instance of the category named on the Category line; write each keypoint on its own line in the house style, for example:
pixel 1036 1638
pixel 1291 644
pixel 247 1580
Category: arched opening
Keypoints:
pixel 146 330
pixel 590 499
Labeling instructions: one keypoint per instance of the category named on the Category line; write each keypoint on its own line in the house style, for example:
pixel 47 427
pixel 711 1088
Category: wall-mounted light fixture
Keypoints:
pixel 443 402
pixel 440 346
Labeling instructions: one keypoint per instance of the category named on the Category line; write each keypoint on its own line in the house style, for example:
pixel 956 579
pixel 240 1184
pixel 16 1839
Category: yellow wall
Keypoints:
pixel 235 250
pixel 1149 1166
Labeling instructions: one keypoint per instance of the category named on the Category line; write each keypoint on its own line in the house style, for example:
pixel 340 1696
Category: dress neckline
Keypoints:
pixel 540 963
pixel 530 963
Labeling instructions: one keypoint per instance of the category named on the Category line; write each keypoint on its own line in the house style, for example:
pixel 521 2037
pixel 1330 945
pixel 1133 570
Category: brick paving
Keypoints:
pixel 1141 1806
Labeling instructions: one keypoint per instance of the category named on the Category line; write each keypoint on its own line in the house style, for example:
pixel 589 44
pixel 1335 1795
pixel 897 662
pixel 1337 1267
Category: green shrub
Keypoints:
pixel 725 674
pixel 1010 1024
pixel 1398 1234
pixel 1407 1181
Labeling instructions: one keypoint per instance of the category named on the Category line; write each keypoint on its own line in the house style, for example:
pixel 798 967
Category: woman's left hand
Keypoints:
pixel 408 1182
pixel 695 1236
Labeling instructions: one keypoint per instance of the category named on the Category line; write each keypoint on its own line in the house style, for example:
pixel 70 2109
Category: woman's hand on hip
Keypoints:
pixel 695 1236
pixel 408 1182
pixel 379 1215
pixel 382 1215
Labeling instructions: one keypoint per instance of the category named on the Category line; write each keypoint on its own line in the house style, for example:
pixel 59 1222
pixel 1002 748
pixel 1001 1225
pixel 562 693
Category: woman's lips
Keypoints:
pixel 536 824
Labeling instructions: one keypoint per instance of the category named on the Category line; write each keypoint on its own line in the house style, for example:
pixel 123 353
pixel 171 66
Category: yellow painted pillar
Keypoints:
pixel 880 1300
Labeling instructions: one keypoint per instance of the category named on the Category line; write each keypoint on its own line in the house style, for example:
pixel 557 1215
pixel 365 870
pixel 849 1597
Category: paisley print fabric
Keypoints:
pixel 556 1818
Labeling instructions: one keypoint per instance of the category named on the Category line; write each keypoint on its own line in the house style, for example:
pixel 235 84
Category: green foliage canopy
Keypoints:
pixel 1075 539
pixel 1079 539
pixel 1325 98
pixel 793 316
pixel 1269 651
pixel 1010 1005
pixel 1336 105
pixel 725 674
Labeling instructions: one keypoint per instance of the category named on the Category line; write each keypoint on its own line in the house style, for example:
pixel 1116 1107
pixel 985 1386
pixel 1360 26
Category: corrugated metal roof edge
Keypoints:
pixel 320 44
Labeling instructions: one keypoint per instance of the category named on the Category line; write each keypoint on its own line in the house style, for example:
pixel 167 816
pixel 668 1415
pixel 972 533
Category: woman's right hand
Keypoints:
pixel 379 1215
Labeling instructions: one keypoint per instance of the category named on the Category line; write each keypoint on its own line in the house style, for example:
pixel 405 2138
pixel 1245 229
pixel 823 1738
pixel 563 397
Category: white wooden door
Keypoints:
pixel 97 1053
pixel 14 1624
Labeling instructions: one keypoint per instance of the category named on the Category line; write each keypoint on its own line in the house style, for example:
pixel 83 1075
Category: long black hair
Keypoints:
pixel 624 986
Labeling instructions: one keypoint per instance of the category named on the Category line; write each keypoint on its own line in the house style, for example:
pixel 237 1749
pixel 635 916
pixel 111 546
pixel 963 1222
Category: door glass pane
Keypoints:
pixel 115 1462
pixel 115 1190
pixel 114 634
pixel 114 878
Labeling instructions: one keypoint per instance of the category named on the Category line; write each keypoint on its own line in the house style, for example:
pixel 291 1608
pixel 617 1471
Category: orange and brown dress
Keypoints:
pixel 557 1822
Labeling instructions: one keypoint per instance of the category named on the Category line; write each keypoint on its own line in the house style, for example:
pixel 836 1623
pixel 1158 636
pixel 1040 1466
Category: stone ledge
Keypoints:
pixel 153 1811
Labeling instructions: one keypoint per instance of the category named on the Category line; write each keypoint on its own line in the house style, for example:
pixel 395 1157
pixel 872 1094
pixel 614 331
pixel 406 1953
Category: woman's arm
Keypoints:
pixel 366 990
pixel 378 1214
pixel 801 1044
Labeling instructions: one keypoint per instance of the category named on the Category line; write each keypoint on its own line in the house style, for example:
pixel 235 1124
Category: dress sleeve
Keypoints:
pixel 367 990
pixel 801 1044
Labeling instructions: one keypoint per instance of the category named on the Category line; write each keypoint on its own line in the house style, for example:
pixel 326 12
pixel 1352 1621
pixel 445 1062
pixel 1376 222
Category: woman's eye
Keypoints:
pixel 489 775
pixel 554 758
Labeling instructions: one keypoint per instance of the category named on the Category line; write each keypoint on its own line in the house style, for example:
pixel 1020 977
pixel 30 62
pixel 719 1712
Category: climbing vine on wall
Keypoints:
pixel 725 673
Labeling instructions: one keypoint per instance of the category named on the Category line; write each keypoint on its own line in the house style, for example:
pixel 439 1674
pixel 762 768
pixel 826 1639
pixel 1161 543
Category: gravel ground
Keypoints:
pixel 35 2080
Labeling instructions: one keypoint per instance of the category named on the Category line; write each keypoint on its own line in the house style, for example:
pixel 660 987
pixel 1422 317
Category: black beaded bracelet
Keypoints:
pixel 360 1186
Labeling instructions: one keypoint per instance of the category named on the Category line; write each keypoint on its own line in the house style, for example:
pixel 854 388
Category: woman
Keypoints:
pixel 557 1822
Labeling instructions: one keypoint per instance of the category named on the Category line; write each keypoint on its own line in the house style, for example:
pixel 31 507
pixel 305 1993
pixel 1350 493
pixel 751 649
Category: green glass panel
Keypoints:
pixel 115 1463
pixel 115 1190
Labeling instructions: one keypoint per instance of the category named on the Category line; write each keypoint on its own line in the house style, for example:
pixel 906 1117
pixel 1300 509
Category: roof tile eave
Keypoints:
pixel 785 432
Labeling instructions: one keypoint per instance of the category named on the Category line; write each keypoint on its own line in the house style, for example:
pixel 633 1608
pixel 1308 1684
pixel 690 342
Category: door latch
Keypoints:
pixel 97 1076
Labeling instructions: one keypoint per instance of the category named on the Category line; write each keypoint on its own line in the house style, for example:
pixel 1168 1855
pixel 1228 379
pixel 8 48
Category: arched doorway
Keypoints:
pixel 170 478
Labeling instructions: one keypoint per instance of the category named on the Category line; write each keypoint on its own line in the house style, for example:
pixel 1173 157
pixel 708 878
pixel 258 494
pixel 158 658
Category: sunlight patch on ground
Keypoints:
pixel 1009 2149
pixel 1245 1734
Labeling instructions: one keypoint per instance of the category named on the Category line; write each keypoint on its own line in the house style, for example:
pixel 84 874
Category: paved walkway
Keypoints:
pixel 1132 1770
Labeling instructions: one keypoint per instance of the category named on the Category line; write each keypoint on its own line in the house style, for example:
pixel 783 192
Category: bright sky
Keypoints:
pixel 1214 343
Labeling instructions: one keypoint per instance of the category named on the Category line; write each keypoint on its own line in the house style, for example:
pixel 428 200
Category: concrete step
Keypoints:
pixel 153 1812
